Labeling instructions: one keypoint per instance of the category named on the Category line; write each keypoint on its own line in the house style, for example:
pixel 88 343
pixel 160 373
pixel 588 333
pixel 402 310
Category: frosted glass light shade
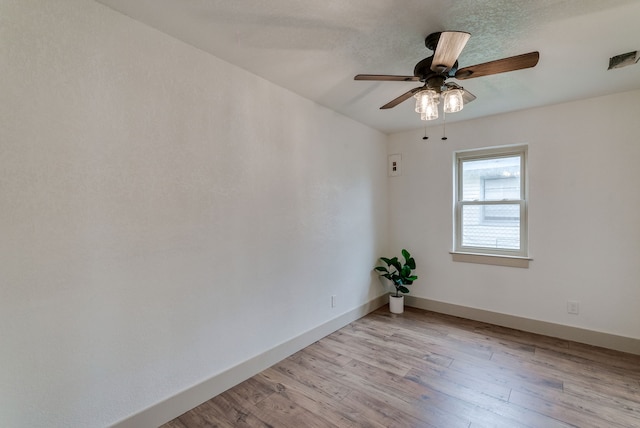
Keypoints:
pixel 423 98
pixel 431 111
pixel 427 104
pixel 453 101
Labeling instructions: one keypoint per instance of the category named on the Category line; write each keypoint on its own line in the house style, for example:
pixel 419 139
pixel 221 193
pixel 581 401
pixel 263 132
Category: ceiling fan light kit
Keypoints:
pixel 427 102
pixel 442 65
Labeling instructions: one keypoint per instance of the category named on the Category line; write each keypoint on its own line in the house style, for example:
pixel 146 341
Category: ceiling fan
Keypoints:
pixel 442 65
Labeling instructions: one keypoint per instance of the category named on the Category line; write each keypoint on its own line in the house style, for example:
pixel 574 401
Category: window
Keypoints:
pixel 490 214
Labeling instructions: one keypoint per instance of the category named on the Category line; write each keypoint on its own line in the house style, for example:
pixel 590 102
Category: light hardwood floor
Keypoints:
pixel 423 369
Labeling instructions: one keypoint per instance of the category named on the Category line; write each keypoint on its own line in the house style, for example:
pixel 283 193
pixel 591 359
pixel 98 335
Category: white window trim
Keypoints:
pixel 503 257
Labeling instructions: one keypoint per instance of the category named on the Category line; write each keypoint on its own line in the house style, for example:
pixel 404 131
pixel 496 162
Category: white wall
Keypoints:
pixel 584 228
pixel 164 215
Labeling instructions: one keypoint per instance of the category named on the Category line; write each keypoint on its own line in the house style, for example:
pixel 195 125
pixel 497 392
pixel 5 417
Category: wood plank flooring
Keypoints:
pixel 423 369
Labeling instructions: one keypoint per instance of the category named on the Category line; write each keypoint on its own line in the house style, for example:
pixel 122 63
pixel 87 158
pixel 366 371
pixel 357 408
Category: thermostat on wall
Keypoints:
pixel 394 167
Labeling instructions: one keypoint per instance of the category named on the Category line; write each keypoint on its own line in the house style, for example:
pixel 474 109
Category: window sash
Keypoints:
pixel 506 248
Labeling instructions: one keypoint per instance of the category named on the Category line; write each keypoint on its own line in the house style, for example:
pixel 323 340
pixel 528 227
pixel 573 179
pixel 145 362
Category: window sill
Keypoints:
pixel 491 259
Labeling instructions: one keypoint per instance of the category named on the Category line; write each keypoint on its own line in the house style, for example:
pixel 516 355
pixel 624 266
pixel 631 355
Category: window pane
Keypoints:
pixel 491 226
pixel 491 179
pixel 501 213
pixel 499 189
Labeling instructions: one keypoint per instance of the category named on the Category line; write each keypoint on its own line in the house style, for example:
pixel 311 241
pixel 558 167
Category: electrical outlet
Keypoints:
pixel 573 307
pixel 333 301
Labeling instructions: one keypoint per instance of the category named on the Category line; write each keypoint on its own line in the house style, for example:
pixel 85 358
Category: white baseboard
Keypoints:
pixel 590 337
pixel 186 400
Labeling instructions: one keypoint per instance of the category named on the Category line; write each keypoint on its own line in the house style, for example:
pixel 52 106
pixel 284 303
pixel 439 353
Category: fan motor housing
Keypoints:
pixel 424 72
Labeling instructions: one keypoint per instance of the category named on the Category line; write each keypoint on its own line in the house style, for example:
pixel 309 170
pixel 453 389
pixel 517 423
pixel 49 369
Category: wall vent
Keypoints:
pixel 623 60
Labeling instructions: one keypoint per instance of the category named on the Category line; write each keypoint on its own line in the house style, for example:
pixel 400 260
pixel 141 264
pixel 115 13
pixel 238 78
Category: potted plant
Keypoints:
pixel 400 275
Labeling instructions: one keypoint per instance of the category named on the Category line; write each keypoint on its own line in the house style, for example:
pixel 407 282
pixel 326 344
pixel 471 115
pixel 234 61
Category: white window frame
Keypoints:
pixel 488 254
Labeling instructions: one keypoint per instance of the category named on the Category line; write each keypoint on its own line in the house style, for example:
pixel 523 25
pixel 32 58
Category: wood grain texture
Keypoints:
pixel 503 65
pixel 424 369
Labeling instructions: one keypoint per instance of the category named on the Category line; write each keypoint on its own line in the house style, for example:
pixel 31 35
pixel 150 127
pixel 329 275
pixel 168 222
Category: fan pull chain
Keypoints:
pixel 444 126
pixel 425 132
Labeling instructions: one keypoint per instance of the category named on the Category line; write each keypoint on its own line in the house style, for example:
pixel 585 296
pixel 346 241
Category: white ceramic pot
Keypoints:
pixel 396 304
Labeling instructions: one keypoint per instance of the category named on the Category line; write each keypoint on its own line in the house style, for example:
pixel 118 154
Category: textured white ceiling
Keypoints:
pixel 314 48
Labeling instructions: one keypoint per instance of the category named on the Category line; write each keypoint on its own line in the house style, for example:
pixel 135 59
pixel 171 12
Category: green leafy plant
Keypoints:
pixel 399 273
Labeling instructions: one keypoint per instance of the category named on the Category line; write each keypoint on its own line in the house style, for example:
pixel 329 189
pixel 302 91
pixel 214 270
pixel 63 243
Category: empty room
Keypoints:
pixel 365 213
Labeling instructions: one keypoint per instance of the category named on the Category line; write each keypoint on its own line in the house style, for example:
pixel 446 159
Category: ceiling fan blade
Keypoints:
pixel 386 77
pixel 394 102
pixel 448 49
pixel 504 65
pixel 467 96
